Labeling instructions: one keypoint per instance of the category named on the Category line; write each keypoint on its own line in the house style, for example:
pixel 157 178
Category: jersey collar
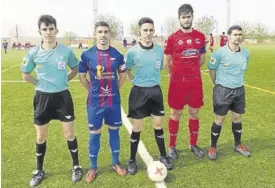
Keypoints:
pixel 41 46
pixel 239 50
pixel 146 47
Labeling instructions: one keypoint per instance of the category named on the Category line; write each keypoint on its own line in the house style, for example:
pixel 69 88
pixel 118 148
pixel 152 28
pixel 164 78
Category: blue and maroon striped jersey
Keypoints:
pixel 103 67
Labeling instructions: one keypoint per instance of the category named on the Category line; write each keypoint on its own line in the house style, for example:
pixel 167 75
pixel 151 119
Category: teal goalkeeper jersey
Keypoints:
pixel 146 63
pixel 50 67
pixel 230 66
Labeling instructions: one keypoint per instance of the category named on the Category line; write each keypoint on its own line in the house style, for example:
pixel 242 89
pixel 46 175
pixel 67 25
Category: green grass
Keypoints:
pixel 229 170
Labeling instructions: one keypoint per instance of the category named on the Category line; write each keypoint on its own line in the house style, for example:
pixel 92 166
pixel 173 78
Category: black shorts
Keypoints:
pixel 48 106
pixel 145 101
pixel 225 99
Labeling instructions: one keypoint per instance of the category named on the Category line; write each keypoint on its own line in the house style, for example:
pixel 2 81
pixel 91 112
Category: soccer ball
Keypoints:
pixel 157 171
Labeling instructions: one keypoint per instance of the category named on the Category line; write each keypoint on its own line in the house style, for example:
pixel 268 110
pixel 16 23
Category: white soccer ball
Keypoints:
pixel 157 171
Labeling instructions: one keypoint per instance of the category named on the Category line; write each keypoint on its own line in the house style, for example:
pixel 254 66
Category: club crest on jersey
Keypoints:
pixel 189 41
pixel 61 65
pixel 190 52
pixel 99 70
pixel 180 42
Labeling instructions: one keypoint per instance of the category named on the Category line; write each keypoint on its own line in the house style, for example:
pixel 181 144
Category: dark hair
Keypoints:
pixel 234 27
pixel 47 19
pixel 102 23
pixel 223 33
pixel 185 8
pixel 210 34
pixel 145 20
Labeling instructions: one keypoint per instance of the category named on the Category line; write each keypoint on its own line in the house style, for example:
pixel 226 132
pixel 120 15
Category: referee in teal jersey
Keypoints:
pixel 146 59
pixel 226 67
pixel 52 99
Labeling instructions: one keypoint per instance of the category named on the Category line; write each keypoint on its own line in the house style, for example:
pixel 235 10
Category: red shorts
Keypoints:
pixel 183 93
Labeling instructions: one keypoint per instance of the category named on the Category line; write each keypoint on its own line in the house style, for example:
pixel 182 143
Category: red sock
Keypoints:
pixel 173 131
pixel 194 131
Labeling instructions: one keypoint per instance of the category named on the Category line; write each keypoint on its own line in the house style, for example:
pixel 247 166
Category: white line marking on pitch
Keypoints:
pixel 5 70
pixel 144 154
pixel 246 85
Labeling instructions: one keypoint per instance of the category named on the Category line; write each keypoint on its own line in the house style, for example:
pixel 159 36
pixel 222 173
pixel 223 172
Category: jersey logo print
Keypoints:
pixel 198 41
pixel 105 90
pixel 68 117
pixel 99 70
pixel 191 53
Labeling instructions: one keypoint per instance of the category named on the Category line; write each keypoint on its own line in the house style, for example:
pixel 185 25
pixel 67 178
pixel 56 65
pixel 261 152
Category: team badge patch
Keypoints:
pixel 61 65
pixel 213 61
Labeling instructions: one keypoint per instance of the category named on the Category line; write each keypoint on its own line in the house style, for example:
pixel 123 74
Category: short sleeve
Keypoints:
pixel 129 60
pixel 215 60
pixel 168 46
pixel 28 64
pixel 203 46
pixel 247 60
pixel 72 61
pixel 82 68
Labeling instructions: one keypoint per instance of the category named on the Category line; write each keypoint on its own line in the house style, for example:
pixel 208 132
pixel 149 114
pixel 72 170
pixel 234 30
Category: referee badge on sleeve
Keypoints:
pixel 213 61
pixel 24 62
